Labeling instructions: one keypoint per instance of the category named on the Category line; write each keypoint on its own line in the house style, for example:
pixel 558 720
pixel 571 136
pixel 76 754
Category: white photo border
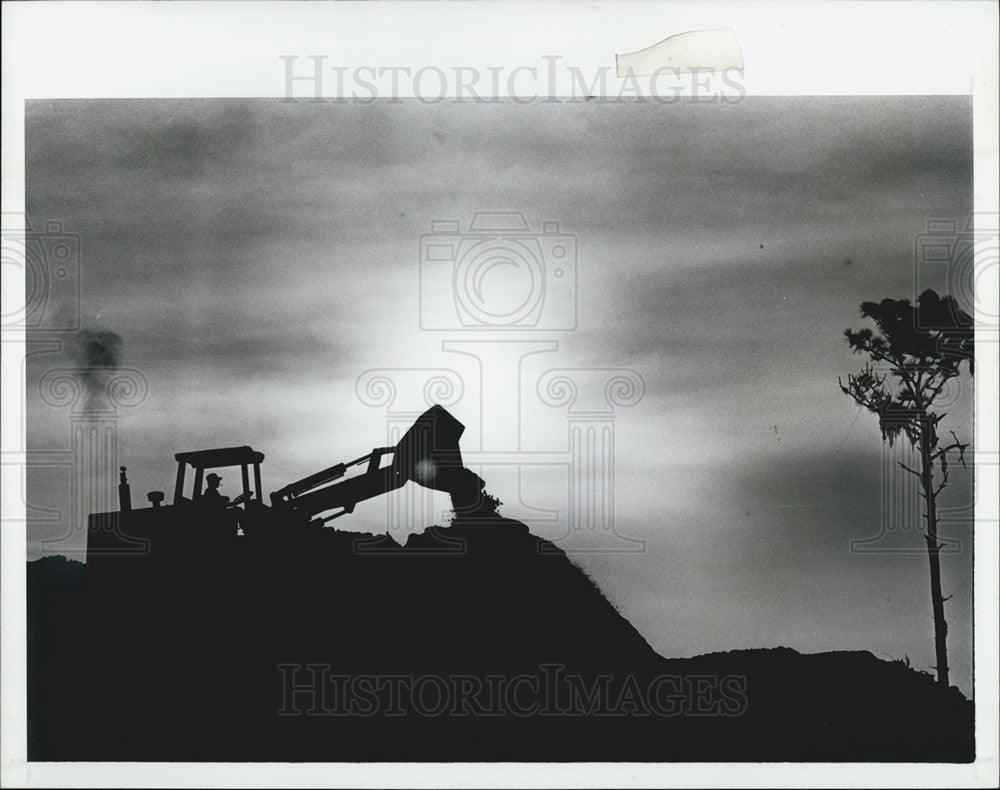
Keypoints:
pixel 63 50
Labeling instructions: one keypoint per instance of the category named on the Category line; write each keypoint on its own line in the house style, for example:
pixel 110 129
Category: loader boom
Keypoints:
pixel 319 493
pixel 428 454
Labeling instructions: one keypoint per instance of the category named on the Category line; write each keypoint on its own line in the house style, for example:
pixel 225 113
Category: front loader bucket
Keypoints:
pixel 429 455
pixel 428 452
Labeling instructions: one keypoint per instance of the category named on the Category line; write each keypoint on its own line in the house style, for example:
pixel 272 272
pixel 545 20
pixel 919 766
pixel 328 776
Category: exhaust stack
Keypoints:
pixel 124 492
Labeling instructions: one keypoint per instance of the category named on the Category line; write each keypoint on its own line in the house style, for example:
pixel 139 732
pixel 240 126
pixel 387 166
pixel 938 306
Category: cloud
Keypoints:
pixel 258 256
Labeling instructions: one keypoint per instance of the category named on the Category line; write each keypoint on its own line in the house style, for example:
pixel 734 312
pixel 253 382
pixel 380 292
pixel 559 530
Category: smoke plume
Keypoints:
pixel 97 354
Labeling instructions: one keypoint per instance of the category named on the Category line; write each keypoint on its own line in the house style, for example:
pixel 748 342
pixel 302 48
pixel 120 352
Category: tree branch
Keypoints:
pixel 911 386
pixel 956 445
pixel 911 471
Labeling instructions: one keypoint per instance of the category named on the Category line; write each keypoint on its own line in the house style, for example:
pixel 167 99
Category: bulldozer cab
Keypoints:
pixel 244 457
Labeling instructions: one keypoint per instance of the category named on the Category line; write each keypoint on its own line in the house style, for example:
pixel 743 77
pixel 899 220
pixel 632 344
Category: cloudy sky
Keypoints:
pixel 257 257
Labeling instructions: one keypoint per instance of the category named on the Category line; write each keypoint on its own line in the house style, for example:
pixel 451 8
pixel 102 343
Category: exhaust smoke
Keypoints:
pixel 97 354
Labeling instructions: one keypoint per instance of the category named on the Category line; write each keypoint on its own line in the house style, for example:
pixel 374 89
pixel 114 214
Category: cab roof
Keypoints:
pixel 223 456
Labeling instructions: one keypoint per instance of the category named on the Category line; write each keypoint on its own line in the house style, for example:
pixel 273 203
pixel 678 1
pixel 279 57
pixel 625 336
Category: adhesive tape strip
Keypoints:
pixel 696 50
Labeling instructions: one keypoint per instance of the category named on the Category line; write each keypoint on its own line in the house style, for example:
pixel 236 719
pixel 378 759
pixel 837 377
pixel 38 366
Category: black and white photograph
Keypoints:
pixel 447 413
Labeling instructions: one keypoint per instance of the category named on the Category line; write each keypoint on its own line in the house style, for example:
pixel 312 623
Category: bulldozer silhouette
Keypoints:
pixel 428 454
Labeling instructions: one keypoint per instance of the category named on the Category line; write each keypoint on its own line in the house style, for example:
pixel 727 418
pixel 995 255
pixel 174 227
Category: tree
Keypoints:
pixel 921 348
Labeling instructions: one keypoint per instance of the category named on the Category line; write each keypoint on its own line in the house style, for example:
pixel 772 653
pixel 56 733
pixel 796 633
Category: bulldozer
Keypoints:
pixel 427 454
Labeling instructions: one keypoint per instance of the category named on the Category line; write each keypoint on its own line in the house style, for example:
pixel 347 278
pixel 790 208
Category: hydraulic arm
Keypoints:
pixel 428 454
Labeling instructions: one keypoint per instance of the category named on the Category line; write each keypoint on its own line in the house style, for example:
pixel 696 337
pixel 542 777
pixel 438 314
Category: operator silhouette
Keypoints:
pixel 212 496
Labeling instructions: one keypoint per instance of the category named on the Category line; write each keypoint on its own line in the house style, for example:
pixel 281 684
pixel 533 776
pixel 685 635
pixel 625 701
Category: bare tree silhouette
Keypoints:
pixel 921 348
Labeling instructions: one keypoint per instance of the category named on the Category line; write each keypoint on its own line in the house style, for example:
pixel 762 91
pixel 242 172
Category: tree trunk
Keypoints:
pixel 934 556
